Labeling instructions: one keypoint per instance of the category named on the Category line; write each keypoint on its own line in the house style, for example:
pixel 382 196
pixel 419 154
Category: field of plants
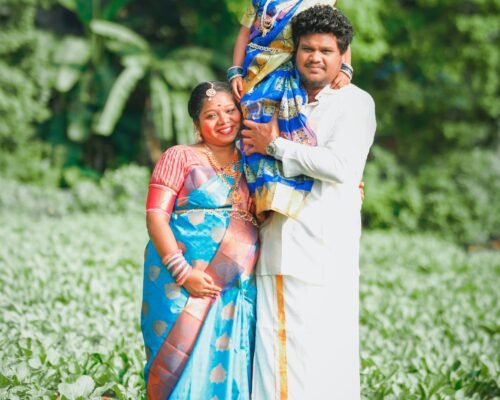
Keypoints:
pixel 70 304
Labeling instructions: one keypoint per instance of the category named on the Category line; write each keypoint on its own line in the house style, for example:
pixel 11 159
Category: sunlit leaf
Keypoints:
pixel 82 387
pixel 185 73
pixel 119 33
pixel 183 124
pixel 161 108
pixel 72 54
pixel 120 92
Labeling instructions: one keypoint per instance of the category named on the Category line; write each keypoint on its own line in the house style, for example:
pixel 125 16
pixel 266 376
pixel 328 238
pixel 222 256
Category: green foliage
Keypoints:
pixel 25 78
pixel 71 297
pixel 121 190
pixel 437 86
pixel 113 73
pixel 462 195
pixel 429 319
pixel 70 305
pixel 392 196
pixel 370 44
pixel 457 195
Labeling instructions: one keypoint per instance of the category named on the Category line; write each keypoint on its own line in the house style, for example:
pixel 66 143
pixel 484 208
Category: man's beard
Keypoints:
pixel 313 84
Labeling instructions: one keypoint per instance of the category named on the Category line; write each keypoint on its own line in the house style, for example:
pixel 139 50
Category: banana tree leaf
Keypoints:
pixel 118 96
pixel 200 54
pixel 162 108
pixel 185 73
pixel 72 54
pixel 119 33
pixel 183 125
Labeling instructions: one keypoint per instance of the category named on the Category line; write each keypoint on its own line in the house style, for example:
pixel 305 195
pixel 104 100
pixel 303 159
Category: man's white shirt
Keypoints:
pixel 329 224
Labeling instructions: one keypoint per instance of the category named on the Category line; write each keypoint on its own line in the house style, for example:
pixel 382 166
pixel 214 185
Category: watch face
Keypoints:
pixel 270 149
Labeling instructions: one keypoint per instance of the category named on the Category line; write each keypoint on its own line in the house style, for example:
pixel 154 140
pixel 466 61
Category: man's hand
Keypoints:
pixel 200 284
pixel 257 136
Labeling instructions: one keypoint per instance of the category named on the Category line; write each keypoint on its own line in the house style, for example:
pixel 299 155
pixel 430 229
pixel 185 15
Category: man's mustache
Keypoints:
pixel 315 65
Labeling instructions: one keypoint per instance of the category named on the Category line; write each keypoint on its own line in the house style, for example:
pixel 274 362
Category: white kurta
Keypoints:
pixel 318 254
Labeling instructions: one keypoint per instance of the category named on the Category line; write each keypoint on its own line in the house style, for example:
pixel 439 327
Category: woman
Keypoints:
pixel 198 315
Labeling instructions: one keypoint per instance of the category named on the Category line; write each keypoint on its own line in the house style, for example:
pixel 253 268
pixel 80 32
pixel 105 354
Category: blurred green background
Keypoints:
pixel 92 87
pixel 93 91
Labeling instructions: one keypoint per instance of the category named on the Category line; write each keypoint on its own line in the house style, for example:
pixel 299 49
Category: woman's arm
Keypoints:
pixel 160 233
pixel 166 181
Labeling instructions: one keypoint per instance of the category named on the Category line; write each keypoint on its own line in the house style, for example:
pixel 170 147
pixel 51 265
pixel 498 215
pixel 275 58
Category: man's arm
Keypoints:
pixel 340 160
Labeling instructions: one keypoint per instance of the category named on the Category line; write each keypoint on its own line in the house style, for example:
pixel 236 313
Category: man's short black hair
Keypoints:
pixel 323 19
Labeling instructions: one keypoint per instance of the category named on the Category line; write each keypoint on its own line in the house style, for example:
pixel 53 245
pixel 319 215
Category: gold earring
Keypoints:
pixel 197 135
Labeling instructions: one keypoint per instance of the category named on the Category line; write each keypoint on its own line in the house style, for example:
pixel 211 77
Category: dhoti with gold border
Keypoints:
pixel 307 339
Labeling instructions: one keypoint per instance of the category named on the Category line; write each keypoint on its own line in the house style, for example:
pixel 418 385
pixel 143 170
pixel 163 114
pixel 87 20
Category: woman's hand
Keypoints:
pixel 237 85
pixel 200 284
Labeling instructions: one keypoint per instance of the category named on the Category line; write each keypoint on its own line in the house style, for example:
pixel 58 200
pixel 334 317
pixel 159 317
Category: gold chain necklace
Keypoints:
pixel 223 173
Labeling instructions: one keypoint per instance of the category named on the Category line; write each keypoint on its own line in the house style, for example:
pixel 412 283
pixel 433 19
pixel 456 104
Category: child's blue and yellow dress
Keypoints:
pixel 271 82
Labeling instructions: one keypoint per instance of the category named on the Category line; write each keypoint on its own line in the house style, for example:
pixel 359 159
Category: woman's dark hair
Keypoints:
pixel 323 19
pixel 199 96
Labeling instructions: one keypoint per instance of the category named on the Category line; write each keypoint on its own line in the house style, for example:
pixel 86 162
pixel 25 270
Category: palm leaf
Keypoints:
pixel 161 107
pixel 118 96
pixel 185 73
pixel 119 35
pixel 182 121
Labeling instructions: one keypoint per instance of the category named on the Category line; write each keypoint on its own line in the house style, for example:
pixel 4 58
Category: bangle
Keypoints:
pixel 165 259
pixel 233 72
pixel 347 69
pixel 178 267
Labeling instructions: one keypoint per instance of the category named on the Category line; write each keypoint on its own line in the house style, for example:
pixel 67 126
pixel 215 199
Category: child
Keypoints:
pixel 264 78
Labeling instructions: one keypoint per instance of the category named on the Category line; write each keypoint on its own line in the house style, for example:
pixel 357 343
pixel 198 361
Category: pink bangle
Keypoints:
pixel 178 267
pixel 165 259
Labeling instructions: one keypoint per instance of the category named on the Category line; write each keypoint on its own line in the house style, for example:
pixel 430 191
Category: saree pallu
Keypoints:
pixel 200 348
pixel 272 81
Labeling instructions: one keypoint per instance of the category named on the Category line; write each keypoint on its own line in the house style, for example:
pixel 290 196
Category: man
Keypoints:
pixel 308 273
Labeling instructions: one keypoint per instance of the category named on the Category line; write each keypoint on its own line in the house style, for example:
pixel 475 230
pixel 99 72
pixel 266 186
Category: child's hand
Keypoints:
pixel 361 188
pixel 340 80
pixel 237 85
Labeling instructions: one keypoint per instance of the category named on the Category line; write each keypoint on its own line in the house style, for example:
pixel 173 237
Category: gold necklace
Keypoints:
pixel 223 173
